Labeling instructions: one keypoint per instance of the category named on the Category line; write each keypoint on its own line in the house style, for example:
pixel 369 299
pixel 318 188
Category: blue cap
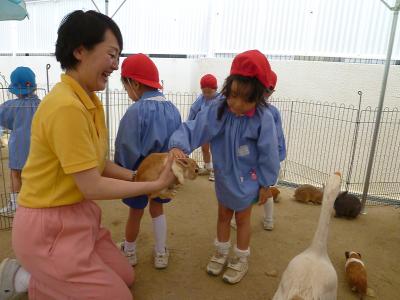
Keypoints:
pixel 23 81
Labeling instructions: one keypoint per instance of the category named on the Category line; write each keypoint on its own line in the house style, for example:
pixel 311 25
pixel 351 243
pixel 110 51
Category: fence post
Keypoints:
pixel 354 143
pixel 288 138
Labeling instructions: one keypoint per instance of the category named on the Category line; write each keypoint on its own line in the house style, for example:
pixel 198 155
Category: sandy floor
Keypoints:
pixel 191 221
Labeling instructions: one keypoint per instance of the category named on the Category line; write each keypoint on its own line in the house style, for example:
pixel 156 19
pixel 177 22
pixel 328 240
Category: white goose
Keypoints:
pixel 310 275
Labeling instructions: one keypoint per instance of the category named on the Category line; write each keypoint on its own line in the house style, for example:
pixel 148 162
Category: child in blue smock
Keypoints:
pixel 268 222
pixel 16 115
pixel 244 147
pixel 144 129
pixel 208 85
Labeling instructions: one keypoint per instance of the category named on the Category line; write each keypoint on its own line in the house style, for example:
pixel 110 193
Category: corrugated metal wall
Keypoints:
pixel 333 28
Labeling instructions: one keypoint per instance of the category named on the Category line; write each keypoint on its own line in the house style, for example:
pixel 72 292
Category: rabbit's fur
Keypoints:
pixel 152 166
pixel 308 193
pixel 347 206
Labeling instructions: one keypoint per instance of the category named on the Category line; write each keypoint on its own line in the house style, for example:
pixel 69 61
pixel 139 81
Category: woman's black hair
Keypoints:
pixel 85 29
pixel 251 89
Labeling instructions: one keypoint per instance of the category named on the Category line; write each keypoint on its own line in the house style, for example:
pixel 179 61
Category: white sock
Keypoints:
pixel 13 199
pixel 269 210
pixel 242 254
pixel 222 247
pixel 21 280
pixel 160 233
pixel 208 166
pixel 130 246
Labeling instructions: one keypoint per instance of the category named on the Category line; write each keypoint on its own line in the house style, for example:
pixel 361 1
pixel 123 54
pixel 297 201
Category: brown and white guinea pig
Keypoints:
pixel 347 206
pixel 308 193
pixel 152 166
pixel 356 273
pixel 275 193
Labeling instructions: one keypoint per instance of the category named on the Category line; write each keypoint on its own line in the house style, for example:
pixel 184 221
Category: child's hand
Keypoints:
pixel 177 153
pixel 263 195
pixel 167 177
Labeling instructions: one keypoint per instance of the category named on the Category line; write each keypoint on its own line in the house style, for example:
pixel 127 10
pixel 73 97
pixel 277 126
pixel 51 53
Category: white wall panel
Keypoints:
pixel 333 28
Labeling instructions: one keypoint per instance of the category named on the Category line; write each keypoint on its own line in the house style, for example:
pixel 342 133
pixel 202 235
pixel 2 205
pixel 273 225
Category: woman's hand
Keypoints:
pixel 167 177
pixel 263 195
pixel 177 153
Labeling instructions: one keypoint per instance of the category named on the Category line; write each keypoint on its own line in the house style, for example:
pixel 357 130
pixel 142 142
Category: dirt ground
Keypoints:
pixel 191 230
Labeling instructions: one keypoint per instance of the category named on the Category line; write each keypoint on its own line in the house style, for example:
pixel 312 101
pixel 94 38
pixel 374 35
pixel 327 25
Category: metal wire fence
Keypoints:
pixel 320 137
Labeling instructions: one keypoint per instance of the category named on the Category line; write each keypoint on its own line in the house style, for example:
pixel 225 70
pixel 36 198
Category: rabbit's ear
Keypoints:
pixel 183 162
pixel 347 253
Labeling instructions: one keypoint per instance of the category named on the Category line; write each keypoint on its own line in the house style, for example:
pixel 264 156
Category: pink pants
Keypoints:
pixel 69 255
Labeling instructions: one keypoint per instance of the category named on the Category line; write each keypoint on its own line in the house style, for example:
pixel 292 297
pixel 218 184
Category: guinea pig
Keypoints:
pixel 308 193
pixel 347 206
pixel 356 273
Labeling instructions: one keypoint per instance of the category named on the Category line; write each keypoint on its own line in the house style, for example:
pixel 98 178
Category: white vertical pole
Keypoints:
pixel 381 98
pixel 108 100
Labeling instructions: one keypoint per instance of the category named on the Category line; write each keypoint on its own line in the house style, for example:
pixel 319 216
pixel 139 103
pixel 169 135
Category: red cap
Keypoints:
pixel 208 81
pixel 253 63
pixel 273 80
pixel 142 69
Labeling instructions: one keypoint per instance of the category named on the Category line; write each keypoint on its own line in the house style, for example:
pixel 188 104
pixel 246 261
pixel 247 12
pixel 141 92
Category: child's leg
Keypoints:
pixel 223 224
pixel 268 222
pixel 128 246
pixel 15 177
pixel 133 224
pixel 9 209
pixel 238 266
pixel 161 253
pixel 222 243
pixel 205 149
pixel 159 226
pixel 243 228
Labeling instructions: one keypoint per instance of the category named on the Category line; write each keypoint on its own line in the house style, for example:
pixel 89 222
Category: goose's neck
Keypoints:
pixel 320 239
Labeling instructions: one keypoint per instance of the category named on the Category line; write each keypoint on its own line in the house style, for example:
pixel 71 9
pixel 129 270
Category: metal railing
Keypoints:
pixel 320 138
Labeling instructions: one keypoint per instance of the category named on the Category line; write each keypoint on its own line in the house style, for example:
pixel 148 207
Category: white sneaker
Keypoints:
pixel 203 171
pixel 236 270
pixel 9 209
pixel 268 225
pixel 8 270
pixel 161 260
pixel 211 177
pixel 130 255
pixel 217 263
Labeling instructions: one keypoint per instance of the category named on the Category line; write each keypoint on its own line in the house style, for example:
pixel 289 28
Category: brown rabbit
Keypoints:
pixel 308 193
pixel 152 166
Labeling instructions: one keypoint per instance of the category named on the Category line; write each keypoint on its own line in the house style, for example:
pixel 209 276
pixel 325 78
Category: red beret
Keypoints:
pixel 208 81
pixel 141 68
pixel 253 63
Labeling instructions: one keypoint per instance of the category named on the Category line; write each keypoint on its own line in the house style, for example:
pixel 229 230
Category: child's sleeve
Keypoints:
pixel 268 157
pixel 128 142
pixel 280 136
pixel 194 133
pixel 7 113
pixel 194 109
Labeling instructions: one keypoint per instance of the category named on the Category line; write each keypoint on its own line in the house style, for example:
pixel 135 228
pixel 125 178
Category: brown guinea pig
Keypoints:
pixel 152 166
pixel 356 273
pixel 275 193
pixel 308 193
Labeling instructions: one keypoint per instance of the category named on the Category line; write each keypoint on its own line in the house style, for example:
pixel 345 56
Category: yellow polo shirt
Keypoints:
pixel 68 135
